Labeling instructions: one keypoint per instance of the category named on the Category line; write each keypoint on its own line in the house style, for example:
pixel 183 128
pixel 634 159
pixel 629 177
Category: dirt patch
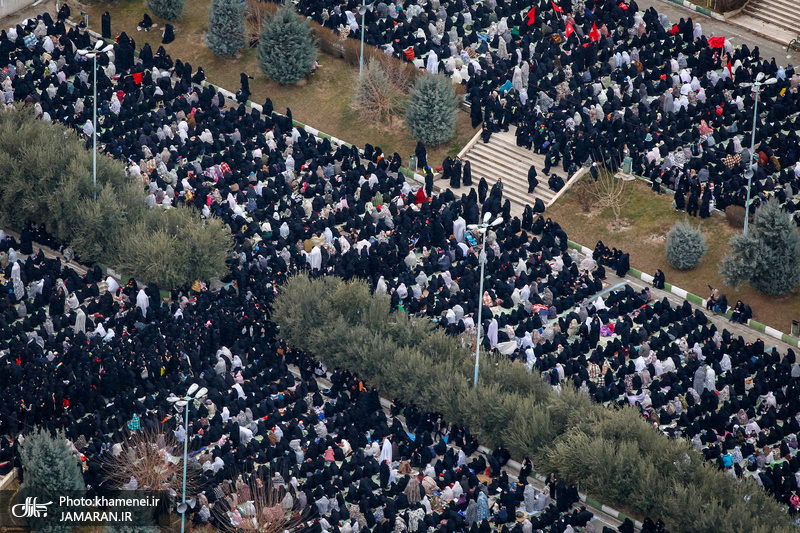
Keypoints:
pixel 656 239
pixel 625 224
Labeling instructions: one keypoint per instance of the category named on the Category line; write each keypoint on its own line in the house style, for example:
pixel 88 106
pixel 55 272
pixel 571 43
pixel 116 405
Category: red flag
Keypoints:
pixel 556 8
pixel 531 15
pixel 716 42
pixel 674 30
pixel 570 30
pixel 729 68
pixel 137 77
pixel 594 34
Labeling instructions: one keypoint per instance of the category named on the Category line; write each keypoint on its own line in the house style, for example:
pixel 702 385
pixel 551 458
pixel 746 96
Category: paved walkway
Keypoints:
pixel 738 34
pixel 49 253
pixel 9 19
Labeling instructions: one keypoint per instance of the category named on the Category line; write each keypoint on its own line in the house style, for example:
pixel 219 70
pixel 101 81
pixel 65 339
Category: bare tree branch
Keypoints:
pixel 153 458
pixel 611 192
pixel 253 504
pixel 380 93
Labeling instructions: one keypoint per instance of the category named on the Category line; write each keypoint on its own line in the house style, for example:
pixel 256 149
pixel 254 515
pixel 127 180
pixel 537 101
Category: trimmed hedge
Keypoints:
pixel 614 454
pixel 47 179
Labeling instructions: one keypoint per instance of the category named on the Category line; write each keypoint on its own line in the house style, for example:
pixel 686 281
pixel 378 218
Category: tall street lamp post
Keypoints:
pixel 482 228
pixel 756 85
pixel 194 393
pixel 92 54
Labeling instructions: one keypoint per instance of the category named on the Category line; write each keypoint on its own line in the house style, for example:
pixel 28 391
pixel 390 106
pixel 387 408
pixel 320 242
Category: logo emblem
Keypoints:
pixel 30 509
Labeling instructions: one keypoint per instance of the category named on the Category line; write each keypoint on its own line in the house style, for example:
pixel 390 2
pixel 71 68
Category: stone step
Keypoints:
pixel 506 163
pixel 515 152
pixel 506 143
pixel 515 189
pixel 783 9
pixel 784 14
pixel 513 183
pixel 509 143
pixel 515 157
pixel 501 166
pixel 502 158
pixel 767 17
pixel 509 159
pixel 503 162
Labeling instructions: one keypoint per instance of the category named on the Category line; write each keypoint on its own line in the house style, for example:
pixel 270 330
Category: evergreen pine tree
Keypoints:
pixel 166 9
pixel 226 31
pixel 432 108
pixel 286 49
pixel 51 470
pixel 686 246
pixel 769 256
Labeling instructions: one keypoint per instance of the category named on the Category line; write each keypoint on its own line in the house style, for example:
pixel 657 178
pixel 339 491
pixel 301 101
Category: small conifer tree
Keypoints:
pixel 377 96
pixel 432 109
pixel 166 9
pixel 686 246
pixel 286 49
pixel 768 257
pixel 226 29
pixel 51 470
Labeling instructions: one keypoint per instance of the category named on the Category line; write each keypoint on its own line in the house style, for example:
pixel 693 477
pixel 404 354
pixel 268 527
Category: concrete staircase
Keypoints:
pixel 502 158
pixel 785 14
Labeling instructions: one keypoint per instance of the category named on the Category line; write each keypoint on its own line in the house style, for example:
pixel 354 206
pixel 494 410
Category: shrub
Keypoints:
pixel 51 470
pixel 48 179
pixel 768 257
pixel 256 13
pixel 378 97
pixel 226 29
pixel 686 245
pixel 173 248
pixel 286 49
pixel 166 9
pixel 432 108
pixel 103 224
pixel 735 215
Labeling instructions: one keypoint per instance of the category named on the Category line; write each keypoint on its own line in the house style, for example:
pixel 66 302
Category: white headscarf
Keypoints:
pixel 432 65
pixel 142 301
pixel 380 287
pixel 112 284
pixel 492 333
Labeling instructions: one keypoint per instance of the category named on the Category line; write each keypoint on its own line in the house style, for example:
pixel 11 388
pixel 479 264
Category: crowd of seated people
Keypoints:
pixel 97 359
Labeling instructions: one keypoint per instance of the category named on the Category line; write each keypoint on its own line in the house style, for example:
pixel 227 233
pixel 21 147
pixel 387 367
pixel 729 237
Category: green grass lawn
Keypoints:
pixel 321 102
pixel 649 218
